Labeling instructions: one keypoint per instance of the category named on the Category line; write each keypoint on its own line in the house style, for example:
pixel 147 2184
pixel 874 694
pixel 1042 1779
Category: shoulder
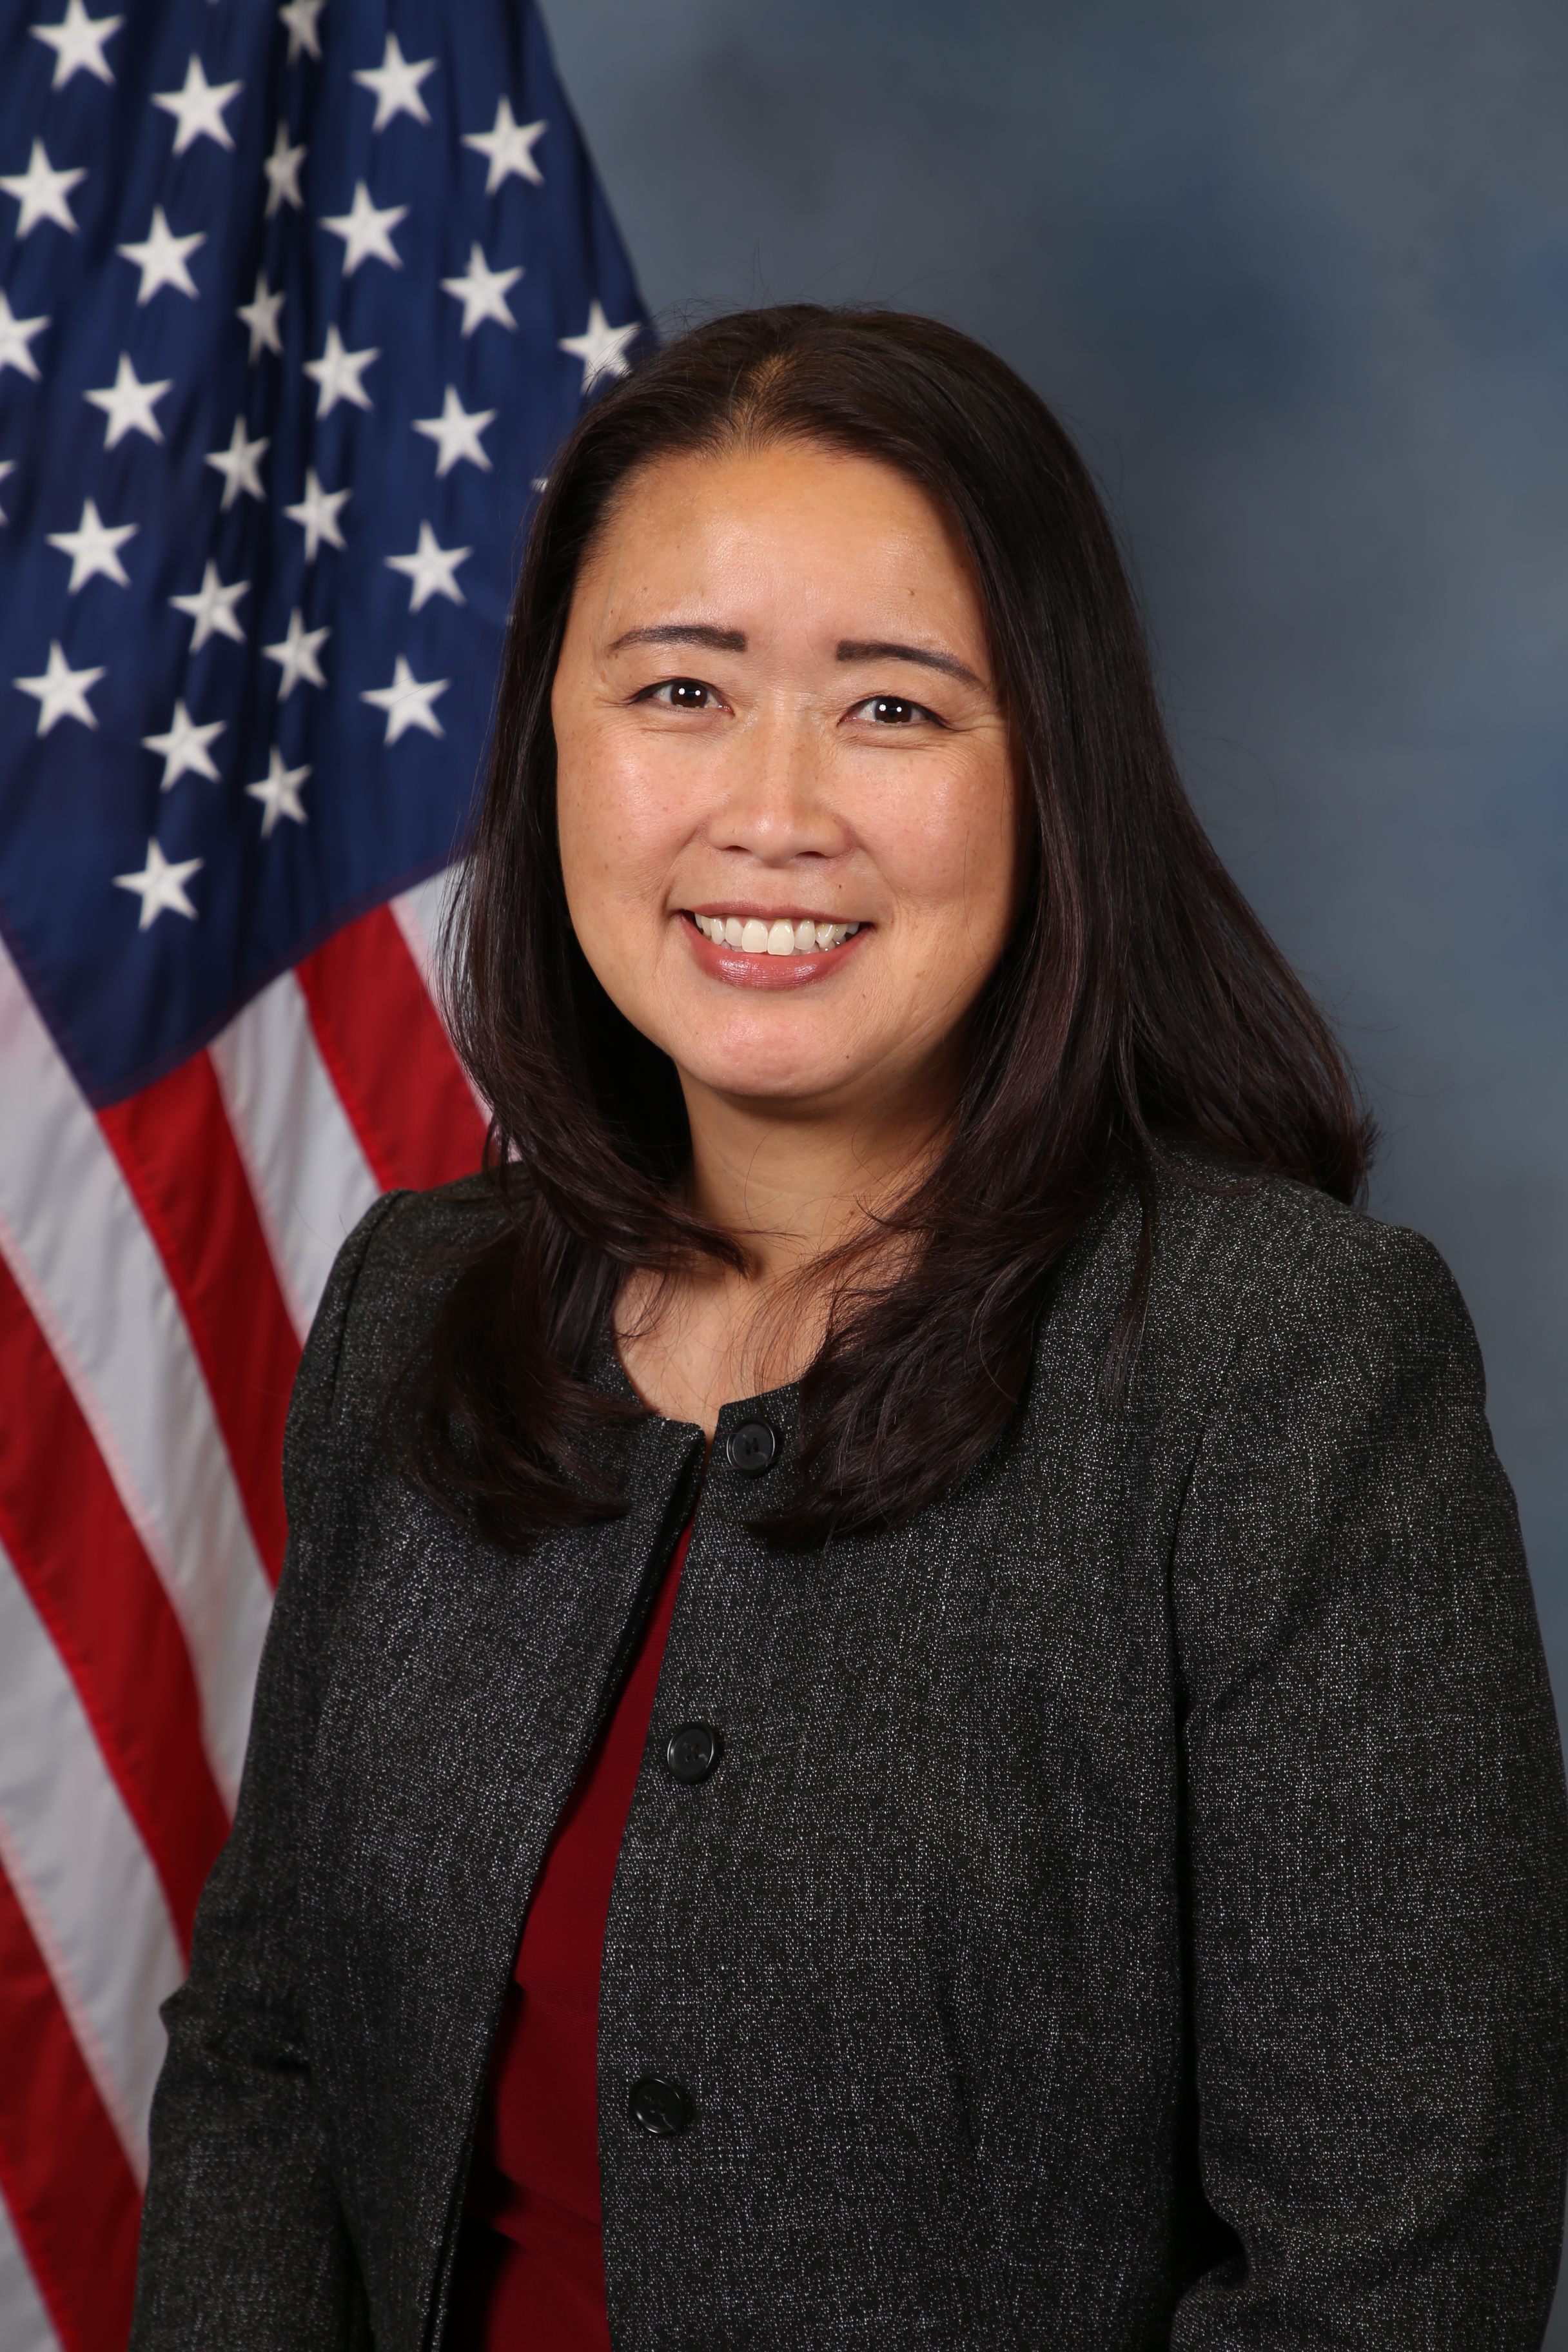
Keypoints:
pixel 1258 1281
pixel 377 1305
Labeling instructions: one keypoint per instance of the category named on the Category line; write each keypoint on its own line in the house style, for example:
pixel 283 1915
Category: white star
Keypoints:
pixel 432 568
pixel 407 703
pixel 366 233
pixel 161 887
pixel 94 549
pixel 317 515
pixel 338 373
pixel 300 16
pixel 260 315
pixel 41 191
pixel 296 656
pixel 61 692
pixel 161 258
pixel 128 404
pixel 212 608
pixel 16 335
pixel 184 750
pixel 77 42
pixel 240 465
pixel 456 433
pixel 395 83
pixel 7 465
pixel 282 170
pixel 483 291
pixel 600 347
pixel 510 147
pixel 198 108
pixel 278 793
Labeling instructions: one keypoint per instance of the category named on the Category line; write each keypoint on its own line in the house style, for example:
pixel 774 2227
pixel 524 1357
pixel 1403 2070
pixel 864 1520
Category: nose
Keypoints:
pixel 777 803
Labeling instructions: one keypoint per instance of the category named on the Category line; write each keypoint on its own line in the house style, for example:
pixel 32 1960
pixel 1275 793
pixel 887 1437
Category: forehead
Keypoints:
pixel 790 523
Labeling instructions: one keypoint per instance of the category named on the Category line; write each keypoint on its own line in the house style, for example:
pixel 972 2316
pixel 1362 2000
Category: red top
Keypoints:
pixel 531 2268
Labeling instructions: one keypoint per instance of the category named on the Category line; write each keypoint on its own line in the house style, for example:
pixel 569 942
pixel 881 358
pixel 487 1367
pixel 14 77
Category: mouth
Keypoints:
pixel 779 935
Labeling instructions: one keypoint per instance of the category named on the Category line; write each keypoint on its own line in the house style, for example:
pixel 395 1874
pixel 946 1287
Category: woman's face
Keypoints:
pixel 787 805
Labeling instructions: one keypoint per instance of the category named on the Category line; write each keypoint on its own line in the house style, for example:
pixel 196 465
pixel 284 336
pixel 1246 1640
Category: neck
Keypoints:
pixel 792 1184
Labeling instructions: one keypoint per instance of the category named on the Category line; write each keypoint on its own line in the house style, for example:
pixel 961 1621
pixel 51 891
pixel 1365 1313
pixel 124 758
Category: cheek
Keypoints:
pixel 948 843
pixel 616 821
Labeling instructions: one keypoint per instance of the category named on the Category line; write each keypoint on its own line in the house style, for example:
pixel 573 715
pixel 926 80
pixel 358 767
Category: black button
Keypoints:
pixel 660 2106
pixel 752 1448
pixel 692 1752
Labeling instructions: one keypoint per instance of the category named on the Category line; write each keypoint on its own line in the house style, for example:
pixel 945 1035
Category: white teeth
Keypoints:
pixel 782 937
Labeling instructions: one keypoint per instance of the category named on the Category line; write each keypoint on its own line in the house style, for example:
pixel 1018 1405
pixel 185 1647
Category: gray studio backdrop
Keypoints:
pixel 1297 279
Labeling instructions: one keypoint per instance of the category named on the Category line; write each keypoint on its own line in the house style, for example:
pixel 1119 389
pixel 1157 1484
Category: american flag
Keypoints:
pixel 295 303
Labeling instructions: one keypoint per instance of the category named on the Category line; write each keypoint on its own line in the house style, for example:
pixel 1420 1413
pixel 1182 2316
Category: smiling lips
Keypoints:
pixel 782 938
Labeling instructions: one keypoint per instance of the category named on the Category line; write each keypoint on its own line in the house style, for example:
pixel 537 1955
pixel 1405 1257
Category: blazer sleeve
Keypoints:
pixel 1374 1828
pixel 243 2243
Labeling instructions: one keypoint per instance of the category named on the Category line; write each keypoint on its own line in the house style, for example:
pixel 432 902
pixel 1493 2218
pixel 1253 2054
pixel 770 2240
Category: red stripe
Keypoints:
pixel 71 2193
pixel 391 1060
pixel 91 1582
pixel 177 1149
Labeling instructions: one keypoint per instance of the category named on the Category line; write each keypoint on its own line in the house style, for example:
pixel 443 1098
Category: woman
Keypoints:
pixel 905 1708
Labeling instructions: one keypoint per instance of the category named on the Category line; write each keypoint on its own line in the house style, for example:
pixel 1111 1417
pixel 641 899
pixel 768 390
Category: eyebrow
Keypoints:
pixel 686 633
pixel 879 649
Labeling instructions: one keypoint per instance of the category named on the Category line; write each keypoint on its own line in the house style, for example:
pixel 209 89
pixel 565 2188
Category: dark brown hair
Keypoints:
pixel 1139 1002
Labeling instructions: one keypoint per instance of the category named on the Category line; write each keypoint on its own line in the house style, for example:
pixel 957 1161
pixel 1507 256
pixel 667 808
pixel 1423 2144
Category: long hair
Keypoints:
pixel 1138 1004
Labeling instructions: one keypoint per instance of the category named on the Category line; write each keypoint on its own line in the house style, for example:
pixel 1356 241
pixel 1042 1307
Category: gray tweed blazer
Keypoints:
pixel 1129 1909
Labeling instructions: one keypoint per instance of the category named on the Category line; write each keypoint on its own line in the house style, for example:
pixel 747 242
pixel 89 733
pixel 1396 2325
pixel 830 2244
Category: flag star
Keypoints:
pixel 161 258
pixel 299 16
pixel 260 315
pixel 456 433
pixel 278 793
pixel 317 515
pixel 94 549
pixel 212 608
pixel 282 170
pixel 366 233
pixel 7 465
pixel 128 404
pixel 432 568
pixel 41 191
pixel 601 347
pixel 77 42
pixel 160 885
pixel 338 373
pixel 510 147
pixel 396 84
pixel 61 692
pixel 184 750
pixel 15 337
pixel 240 465
pixel 198 108
pixel 296 655
pixel 483 291
pixel 407 703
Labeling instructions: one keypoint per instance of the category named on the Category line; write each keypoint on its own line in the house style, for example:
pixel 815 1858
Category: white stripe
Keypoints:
pixel 81 1873
pixel 420 915
pixel 310 1181
pixel 23 2322
pixel 83 1258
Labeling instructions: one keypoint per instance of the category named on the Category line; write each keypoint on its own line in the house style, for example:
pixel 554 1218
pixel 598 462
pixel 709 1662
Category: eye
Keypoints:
pixel 681 693
pixel 892 711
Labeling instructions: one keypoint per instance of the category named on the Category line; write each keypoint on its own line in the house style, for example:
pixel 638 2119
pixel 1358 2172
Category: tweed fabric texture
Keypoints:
pixel 1130 1910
